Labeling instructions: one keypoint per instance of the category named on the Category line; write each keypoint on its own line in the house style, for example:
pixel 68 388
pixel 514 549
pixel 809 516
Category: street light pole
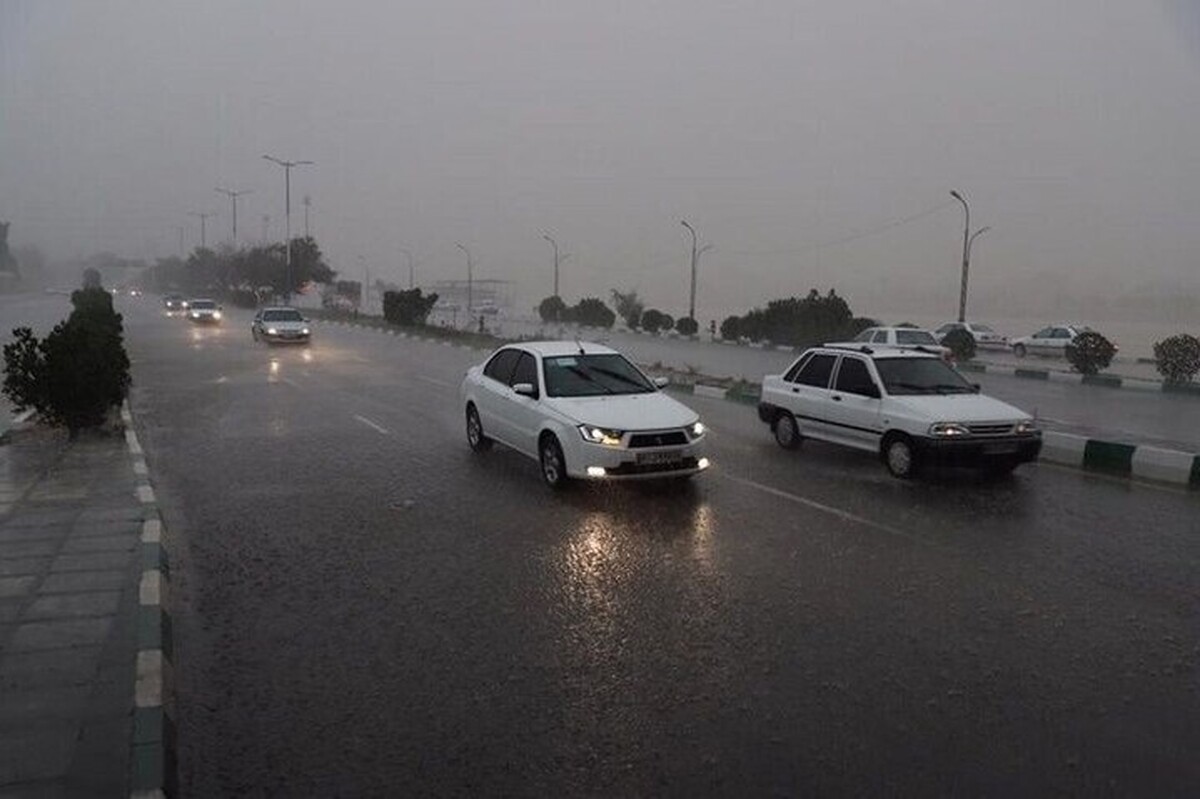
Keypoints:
pixel 287 213
pixel 554 244
pixel 233 195
pixel 411 272
pixel 696 253
pixel 968 240
pixel 470 279
pixel 204 215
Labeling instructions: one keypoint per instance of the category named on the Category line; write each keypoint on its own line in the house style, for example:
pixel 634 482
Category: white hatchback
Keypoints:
pixel 581 410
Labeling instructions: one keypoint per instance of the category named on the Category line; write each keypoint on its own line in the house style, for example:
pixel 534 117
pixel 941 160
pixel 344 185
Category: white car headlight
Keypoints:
pixel 304 331
pixel 696 430
pixel 600 435
pixel 216 314
pixel 1027 426
pixel 948 430
pixel 271 331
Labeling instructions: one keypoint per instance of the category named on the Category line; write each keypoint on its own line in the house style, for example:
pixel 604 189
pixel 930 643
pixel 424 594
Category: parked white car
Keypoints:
pixel 911 407
pixel 1052 340
pixel 581 410
pixel 985 336
pixel 901 338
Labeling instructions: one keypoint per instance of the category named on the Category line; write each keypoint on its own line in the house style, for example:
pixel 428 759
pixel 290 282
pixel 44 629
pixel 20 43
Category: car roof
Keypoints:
pixel 550 349
pixel 874 350
pixel 278 308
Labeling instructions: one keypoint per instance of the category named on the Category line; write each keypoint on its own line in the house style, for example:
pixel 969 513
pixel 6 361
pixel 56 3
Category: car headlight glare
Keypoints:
pixel 599 435
pixel 1027 426
pixel 696 430
pixel 948 430
pixel 304 331
pixel 216 314
pixel 271 331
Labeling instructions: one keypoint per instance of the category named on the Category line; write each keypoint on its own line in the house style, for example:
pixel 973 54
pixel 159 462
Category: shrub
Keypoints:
pixel 1178 358
pixel 591 312
pixel 687 326
pixel 408 307
pixel 25 370
pixel 654 320
pixel 552 309
pixel 961 343
pixel 731 328
pixel 629 308
pixel 1090 352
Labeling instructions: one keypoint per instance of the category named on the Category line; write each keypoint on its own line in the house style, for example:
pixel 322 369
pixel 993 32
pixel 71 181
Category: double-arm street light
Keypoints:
pixel 287 214
pixel 968 242
pixel 204 215
pixel 233 195
pixel 696 253
pixel 470 280
pixel 554 244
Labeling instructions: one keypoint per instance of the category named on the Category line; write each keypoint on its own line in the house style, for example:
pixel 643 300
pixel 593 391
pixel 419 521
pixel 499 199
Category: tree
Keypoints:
pixel 731 328
pixel 814 319
pixel 961 342
pixel 91 278
pixel 1178 358
pixel 592 312
pixel 1090 352
pixel 654 320
pixel 687 326
pixel 629 308
pixel 552 309
pixel 408 307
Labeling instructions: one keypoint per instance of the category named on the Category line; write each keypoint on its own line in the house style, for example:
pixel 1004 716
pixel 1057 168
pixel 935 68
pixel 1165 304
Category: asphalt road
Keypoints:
pixel 365 608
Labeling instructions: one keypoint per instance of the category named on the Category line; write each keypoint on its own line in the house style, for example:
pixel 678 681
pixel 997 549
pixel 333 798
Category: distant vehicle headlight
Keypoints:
pixel 271 331
pixel 1027 426
pixel 948 430
pixel 195 315
pixel 599 435
pixel 304 331
pixel 216 314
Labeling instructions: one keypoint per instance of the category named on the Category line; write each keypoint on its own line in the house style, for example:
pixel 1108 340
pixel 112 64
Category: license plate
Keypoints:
pixel 1005 448
pixel 670 456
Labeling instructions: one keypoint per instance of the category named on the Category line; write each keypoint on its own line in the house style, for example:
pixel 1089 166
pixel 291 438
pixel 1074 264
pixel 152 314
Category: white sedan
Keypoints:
pixel 581 410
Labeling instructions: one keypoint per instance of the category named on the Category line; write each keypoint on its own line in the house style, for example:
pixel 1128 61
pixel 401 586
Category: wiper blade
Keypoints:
pixel 586 376
pixel 949 388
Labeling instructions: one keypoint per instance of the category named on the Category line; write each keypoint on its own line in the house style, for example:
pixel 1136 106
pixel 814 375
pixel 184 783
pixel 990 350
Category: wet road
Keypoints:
pixel 363 607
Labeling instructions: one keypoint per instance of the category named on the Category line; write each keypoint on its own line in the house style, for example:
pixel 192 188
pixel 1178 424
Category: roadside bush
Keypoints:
pixel 592 312
pixel 25 370
pixel 654 320
pixel 687 326
pixel 731 328
pixel 552 309
pixel 1178 358
pixel 961 343
pixel 407 308
pixel 242 298
pixel 1090 352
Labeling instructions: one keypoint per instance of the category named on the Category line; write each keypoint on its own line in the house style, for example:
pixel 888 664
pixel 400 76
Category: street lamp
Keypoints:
pixel 696 253
pixel 411 273
pixel 470 279
pixel 968 240
pixel 204 215
pixel 233 195
pixel 554 244
pixel 287 212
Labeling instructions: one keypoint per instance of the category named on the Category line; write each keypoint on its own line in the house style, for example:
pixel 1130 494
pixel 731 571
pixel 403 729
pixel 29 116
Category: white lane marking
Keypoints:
pixel 371 424
pixel 435 381
pixel 841 514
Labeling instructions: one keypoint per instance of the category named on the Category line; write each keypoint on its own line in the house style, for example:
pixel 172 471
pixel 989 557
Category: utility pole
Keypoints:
pixel 307 203
pixel 470 282
pixel 968 241
pixel 233 195
pixel 287 215
pixel 554 244
pixel 696 253
pixel 204 215
pixel 266 220
pixel 182 249
pixel 366 292
pixel 411 272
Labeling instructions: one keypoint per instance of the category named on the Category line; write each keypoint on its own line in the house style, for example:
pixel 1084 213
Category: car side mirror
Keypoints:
pixel 525 389
pixel 662 382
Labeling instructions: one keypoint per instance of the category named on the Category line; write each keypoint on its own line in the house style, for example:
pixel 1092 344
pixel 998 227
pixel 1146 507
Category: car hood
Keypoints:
pixel 652 411
pixel 959 408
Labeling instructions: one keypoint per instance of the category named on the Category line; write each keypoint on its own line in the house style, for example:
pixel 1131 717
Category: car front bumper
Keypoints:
pixel 585 460
pixel 979 451
pixel 285 338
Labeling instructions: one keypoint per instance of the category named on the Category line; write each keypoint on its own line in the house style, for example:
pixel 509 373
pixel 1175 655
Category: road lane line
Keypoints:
pixel 841 514
pixel 435 381
pixel 371 424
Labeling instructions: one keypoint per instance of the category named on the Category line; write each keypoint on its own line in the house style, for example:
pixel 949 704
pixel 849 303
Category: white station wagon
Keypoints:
pixel 909 406
pixel 581 410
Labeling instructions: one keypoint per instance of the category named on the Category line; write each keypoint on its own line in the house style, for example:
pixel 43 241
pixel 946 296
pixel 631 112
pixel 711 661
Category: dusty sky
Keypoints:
pixel 811 143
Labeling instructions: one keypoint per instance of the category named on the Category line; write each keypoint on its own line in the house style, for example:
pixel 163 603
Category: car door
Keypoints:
pixel 1061 338
pixel 494 394
pixel 1042 342
pixel 854 404
pixel 525 417
pixel 808 394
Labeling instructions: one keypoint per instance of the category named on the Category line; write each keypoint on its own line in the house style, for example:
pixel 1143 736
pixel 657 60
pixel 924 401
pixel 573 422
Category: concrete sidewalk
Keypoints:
pixel 71 522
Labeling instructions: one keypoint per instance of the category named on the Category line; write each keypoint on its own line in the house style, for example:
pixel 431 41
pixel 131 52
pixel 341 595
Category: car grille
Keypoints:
pixel 668 438
pixel 990 429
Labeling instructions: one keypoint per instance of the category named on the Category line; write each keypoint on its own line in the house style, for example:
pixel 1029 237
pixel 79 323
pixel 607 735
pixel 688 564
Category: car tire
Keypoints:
pixel 1019 350
pixel 554 465
pixel 899 456
pixel 475 437
pixel 787 432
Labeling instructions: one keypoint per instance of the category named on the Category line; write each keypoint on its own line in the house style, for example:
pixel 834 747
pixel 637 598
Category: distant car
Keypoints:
pixel 174 302
pixel 280 324
pixel 911 407
pixel 985 337
pixel 203 311
pixel 900 337
pixel 581 410
pixel 1052 340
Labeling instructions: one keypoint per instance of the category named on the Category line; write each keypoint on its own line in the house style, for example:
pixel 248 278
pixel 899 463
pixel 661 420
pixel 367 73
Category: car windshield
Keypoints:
pixel 283 315
pixel 983 329
pixel 865 335
pixel 920 376
pixel 203 305
pixel 915 337
pixel 593 375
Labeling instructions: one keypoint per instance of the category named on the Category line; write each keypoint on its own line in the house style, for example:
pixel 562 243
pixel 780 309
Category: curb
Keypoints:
pixel 153 745
pixel 1105 380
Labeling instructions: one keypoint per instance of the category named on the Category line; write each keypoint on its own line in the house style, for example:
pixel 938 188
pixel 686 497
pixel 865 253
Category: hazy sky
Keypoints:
pixel 812 143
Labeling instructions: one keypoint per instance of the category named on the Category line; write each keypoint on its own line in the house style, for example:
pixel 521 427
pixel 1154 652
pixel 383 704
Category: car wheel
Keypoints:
pixel 475 437
pixel 1019 350
pixel 787 432
pixel 899 456
pixel 554 465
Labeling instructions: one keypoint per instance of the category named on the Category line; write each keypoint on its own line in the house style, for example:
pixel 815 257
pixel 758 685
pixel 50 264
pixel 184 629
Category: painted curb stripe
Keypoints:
pixel 1031 374
pixel 1110 381
pixel 1108 457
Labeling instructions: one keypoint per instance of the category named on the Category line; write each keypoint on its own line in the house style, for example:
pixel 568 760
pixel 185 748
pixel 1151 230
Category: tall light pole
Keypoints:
pixel 307 205
pixel 968 240
pixel 696 253
pixel 411 272
pixel 204 215
pixel 266 220
pixel 470 282
pixel 287 214
pixel 554 244
pixel 233 195
pixel 366 292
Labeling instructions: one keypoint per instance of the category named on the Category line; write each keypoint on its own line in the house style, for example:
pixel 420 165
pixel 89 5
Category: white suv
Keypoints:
pixel 909 406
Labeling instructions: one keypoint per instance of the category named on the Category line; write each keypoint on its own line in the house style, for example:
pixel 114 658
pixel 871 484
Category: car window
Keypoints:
pixel 592 376
pixel 854 377
pixel 881 337
pixel 282 316
pixel 500 367
pixel 1045 332
pixel 796 367
pixel 525 371
pixel 817 371
pixel 983 329
pixel 203 305
pixel 920 376
pixel 915 337
pixel 865 335
pixel 1061 332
